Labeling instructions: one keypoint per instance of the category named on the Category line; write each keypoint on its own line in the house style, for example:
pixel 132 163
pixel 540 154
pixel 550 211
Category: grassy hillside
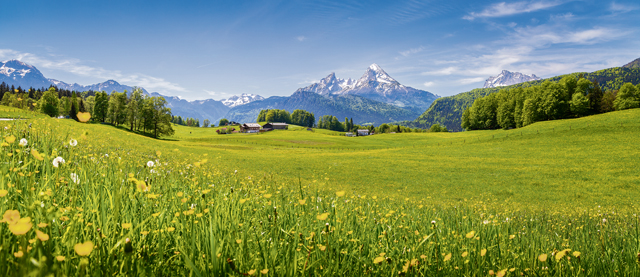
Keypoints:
pixel 448 110
pixel 554 198
pixel 453 166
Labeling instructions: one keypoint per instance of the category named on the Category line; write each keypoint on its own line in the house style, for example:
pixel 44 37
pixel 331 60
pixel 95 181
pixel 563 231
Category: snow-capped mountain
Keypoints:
pixel 507 78
pixel 330 85
pixel 19 74
pixel 244 98
pixel 377 85
pixel 107 86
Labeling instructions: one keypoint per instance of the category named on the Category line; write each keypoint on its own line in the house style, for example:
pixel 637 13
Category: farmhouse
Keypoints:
pixel 250 128
pixel 363 132
pixel 349 134
pixel 276 126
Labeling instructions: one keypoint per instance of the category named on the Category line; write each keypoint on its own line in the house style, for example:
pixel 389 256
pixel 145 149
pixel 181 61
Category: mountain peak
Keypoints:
pixel 507 78
pixel 375 73
pixel 242 99
pixel 375 67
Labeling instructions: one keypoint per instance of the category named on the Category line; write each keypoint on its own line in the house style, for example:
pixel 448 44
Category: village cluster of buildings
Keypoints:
pixel 255 128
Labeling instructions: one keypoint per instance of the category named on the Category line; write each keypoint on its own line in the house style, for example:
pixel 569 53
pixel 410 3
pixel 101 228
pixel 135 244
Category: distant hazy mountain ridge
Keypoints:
pixel 507 78
pixel 242 99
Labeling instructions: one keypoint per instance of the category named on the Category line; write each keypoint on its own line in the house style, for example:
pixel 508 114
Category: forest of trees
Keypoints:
pixel 134 110
pixel 298 117
pixel 447 111
pixel 188 121
pixel 330 122
pixel 569 97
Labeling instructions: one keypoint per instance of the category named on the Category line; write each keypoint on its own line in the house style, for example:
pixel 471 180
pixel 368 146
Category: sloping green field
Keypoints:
pixel 552 199
pixel 580 162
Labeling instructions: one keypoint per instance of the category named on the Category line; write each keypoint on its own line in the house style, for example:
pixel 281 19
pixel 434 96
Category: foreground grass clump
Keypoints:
pixel 76 202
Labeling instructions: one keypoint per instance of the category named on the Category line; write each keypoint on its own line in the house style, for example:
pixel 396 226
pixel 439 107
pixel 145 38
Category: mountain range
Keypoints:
pixel 374 98
pixel 24 75
pixel 507 78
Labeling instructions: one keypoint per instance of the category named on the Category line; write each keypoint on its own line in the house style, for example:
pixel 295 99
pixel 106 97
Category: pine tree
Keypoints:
pixel 73 110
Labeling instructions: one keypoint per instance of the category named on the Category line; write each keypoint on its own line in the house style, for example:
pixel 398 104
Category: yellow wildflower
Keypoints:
pixel 42 236
pixel 470 234
pixel 542 257
pixel 84 249
pixel 11 216
pixel 378 260
pixel 323 216
pixel 21 227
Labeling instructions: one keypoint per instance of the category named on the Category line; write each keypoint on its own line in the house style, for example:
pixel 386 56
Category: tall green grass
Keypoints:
pixel 301 211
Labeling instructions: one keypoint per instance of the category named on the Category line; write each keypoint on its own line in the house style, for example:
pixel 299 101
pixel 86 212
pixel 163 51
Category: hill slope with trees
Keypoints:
pixel 447 111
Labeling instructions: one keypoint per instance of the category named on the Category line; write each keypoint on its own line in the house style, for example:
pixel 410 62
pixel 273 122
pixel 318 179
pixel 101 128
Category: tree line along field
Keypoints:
pixel 554 198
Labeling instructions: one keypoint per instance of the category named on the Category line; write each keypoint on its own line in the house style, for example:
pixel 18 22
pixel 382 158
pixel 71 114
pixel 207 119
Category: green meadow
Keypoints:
pixel 579 162
pixel 555 198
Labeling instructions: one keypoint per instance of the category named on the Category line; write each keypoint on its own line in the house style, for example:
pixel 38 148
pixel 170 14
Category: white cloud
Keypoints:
pixel 444 71
pixel 621 8
pixel 544 35
pixel 411 51
pixel 467 81
pixel 77 67
pixel 301 38
pixel 428 84
pixel 214 93
pixel 505 9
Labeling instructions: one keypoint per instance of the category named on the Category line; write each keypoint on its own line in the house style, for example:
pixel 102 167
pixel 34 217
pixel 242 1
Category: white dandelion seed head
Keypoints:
pixel 73 142
pixel 23 142
pixel 433 222
pixel 57 161
pixel 150 164
pixel 75 178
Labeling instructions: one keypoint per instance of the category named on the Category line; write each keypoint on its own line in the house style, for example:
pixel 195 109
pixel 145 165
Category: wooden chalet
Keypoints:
pixel 250 128
pixel 276 126
pixel 363 132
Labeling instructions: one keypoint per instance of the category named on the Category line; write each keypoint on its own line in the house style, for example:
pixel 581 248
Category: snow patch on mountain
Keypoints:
pixel 507 78
pixel 242 99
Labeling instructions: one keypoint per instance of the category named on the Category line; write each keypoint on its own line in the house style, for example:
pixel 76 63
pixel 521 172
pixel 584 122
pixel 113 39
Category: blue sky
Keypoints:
pixel 214 49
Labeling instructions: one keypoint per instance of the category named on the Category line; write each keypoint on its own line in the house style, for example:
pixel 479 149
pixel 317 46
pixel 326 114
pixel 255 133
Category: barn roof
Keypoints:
pixel 252 125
